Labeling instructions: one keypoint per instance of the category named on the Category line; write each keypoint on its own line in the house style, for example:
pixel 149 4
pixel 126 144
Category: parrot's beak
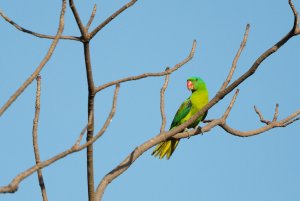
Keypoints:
pixel 190 85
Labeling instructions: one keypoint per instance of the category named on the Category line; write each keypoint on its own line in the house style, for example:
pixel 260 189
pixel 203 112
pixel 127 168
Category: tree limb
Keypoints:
pixel 110 18
pixel 14 184
pixel 169 71
pixel 162 102
pixel 283 123
pixel 34 33
pixel 77 18
pixel 236 58
pixel 91 18
pixel 42 64
pixel 35 138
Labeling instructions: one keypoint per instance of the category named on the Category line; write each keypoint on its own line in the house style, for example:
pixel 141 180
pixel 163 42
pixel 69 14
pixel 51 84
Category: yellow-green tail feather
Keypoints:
pixel 165 148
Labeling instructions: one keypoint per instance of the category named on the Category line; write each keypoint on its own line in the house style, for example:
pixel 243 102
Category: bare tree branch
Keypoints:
pixel 290 122
pixel 107 122
pixel 169 71
pixel 91 123
pixel 296 18
pixel 13 186
pixel 228 110
pixel 77 18
pixel 261 118
pixel 35 138
pixel 293 32
pixel 91 18
pixel 283 123
pixel 42 64
pixel 236 58
pixel 34 33
pixel 91 96
pixel 162 102
pixel 110 18
pixel 80 136
pixel 276 113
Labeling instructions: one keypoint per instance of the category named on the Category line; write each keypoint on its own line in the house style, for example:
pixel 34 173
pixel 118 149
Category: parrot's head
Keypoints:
pixel 195 84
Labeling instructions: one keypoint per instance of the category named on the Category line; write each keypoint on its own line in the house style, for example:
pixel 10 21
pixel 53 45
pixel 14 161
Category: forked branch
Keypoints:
pixel 20 28
pixel 168 71
pixel 14 184
pixel 42 64
pixel 110 18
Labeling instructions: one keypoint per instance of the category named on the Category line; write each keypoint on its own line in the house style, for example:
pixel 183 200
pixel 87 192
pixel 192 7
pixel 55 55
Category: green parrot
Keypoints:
pixel 197 100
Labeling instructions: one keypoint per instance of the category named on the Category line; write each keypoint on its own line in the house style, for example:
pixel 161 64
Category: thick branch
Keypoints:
pixel 90 128
pixel 42 64
pixel 169 71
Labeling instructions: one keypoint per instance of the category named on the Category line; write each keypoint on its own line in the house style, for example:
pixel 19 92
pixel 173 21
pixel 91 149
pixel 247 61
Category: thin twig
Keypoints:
pixel 42 64
pixel 107 122
pixel 229 108
pixel 34 33
pixel 35 138
pixel 162 102
pixel 171 70
pixel 91 18
pixel 276 113
pixel 236 58
pixel 81 136
pixel 14 184
pixel 261 118
pixel 110 18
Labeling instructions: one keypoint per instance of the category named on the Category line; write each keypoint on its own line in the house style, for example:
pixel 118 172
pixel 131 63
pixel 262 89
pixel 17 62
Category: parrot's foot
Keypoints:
pixel 187 130
pixel 199 128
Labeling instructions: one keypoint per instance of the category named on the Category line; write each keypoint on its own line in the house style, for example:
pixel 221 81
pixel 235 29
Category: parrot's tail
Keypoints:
pixel 165 148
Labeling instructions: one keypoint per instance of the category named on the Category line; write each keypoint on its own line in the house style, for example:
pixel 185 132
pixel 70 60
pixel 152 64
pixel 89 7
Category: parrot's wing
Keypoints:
pixel 183 110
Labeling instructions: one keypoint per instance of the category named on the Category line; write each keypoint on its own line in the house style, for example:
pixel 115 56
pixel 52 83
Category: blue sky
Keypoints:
pixel 146 38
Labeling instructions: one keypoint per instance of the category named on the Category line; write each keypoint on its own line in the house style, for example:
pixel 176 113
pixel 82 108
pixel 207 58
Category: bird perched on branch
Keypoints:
pixel 197 100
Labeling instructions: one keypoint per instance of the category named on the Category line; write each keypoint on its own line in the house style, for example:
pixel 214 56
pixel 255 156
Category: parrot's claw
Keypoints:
pixel 187 130
pixel 199 128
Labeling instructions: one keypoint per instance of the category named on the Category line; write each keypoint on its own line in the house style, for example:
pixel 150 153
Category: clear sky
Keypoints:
pixel 148 37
